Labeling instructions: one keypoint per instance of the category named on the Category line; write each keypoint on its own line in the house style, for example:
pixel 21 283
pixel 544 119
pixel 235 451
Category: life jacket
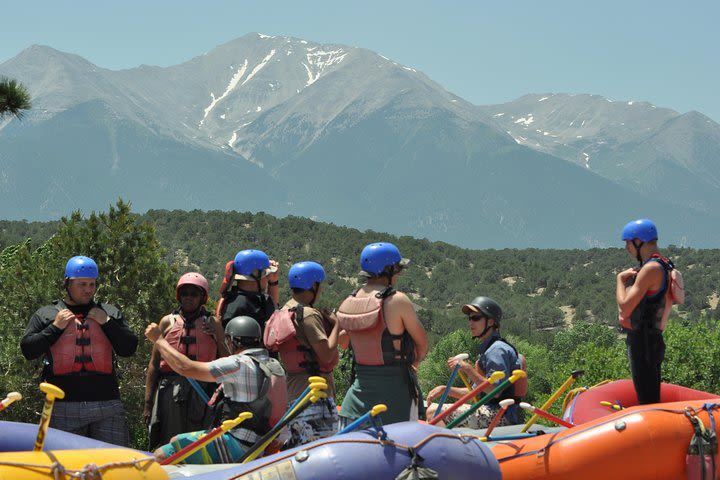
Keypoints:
pixel 268 408
pixel 82 347
pixel 654 308
pixel 371 342
pixel 281 335
pixel 190 340
pixel 519 389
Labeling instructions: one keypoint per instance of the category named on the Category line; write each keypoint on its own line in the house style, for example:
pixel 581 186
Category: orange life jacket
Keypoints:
pixel 372 344
pixel 82 347
pixel 190 340
pixel 281 336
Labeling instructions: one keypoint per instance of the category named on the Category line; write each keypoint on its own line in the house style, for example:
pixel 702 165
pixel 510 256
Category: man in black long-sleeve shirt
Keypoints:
pixel 78 338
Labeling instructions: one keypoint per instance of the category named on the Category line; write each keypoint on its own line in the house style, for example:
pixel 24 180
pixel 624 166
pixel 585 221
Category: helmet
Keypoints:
pixel 643 229
pixel 81 267
pixel 376 256
pixel 484 305
pixel 250 264
pixel 305 274
pixel 244 327
pixel 196 279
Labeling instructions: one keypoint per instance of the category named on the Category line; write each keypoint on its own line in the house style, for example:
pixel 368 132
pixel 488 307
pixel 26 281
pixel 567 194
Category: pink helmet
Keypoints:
pixel 193 278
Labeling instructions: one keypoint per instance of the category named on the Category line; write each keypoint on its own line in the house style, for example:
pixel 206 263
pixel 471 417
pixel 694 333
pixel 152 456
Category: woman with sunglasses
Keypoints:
pixel 495 354
pixel 172 405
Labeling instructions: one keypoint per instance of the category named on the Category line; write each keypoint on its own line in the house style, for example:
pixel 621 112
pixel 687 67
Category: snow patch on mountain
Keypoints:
pixel 259 66
pixel 318 61
pixel 230 87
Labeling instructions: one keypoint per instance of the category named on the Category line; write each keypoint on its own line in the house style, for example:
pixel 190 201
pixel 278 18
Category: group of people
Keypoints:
pixel 208 367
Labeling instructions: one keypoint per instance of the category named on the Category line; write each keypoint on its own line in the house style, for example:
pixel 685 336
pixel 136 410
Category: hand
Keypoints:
pixel 147 414
pixel 153 333
pixel 435 393
pixel 274 276
pixel 64 317
pixel 626 275
pixel 99 315
pixel 464 366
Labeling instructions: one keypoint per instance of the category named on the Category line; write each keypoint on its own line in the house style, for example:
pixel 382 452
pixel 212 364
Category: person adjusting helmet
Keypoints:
pixel 306 339
pixel 250 287
pixel 251 382
pixel 388 340
pixel 644 297
pixel 81 266
pixel 77 339
pixel 195 279
pixel 194 332
pixel 643 230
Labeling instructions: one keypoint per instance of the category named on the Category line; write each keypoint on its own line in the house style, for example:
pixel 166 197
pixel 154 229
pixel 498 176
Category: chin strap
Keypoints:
pixel 637 251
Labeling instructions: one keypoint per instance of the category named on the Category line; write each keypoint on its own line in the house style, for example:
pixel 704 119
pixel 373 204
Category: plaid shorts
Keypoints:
pixel 104 420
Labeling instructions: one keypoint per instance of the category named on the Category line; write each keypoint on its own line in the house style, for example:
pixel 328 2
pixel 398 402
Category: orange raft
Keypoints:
pixel 642 442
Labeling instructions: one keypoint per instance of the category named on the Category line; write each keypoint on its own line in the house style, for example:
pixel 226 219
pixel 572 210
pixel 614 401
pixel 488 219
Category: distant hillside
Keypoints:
pixel 541 290
pixel 343 135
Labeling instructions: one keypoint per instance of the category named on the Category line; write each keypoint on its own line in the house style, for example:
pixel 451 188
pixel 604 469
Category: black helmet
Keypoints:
pixel 245 330
pixel 484 305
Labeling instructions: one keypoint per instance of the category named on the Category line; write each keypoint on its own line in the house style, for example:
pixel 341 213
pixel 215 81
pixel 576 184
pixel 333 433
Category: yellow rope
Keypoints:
pixel 89 471
pixel 570 396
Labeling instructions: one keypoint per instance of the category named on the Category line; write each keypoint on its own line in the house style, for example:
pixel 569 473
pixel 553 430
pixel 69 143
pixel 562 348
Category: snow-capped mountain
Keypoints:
pixel 345 135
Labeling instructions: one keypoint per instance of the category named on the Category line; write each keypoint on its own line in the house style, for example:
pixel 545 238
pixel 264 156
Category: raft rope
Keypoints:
pixel 578 430
pixel 573 395
pixel 465 438
pixel 91 471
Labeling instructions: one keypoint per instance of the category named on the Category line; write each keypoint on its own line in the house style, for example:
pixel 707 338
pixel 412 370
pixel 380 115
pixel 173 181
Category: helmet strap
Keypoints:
pixel 486 329
pixel 637 250
pixel 314 291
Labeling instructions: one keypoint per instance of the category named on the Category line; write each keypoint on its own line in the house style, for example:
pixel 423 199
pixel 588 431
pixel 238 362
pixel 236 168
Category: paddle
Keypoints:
pixel 375 411
pixel 494 378
pixel 311 380
pixel 315 394
pixel 466 382
pixel 546 415
pixel 51 393
pixel 504 405
pixel 516 375
pixel 11 397
pixel 198 389
pixel 458 358
pixel 546 406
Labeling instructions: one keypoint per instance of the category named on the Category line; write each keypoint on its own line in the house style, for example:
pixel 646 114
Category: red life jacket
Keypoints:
pixel 372 344
pixel 192 341
pixel 280 335
pixel 82 347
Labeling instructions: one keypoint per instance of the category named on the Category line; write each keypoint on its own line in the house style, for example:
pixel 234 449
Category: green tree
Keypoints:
pixel 14 98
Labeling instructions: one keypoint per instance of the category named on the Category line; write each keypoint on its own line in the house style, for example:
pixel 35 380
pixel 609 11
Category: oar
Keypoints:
pixel 504 405
pixel 558 393
pixel 188 450
pixel 374 412
pixel 544 414
pixel 517 436
pixel 11 397
pixel 51 393
pixel 315 394
pixel 458 358
pixel 311 380
pixel 494 378
pixel 466 382
pixel 516 375
pixel 198 389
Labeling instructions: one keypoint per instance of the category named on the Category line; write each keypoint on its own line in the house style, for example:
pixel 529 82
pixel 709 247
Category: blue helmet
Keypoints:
pixel 81 267
pixel 250 264
pixel 643 229
pixel 305 274
pixel 376 256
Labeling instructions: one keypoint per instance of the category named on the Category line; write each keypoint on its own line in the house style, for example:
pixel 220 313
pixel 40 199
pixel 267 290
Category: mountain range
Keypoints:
pixel 344 135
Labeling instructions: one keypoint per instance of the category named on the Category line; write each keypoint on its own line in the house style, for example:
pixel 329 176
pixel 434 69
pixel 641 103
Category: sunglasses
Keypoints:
pixel 477 318
pixel 189 293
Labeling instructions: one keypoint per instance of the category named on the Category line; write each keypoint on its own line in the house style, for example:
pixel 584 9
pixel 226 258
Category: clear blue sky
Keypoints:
pixel 486 51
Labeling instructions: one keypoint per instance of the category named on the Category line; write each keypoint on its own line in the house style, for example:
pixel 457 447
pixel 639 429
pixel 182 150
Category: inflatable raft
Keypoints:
pixel 356 455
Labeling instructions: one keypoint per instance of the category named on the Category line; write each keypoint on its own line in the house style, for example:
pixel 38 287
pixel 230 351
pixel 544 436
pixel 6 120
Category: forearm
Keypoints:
pixel 181 364
pixel 123 340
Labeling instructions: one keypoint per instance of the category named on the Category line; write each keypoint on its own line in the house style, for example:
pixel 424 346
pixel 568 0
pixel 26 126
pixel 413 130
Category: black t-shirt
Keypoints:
pixel 252 304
